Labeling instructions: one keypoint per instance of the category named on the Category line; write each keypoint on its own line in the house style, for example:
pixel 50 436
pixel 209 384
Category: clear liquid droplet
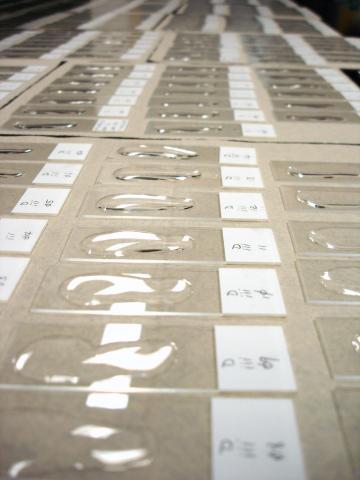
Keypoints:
pixel 68 360
pixel 344 281
pixel 329 199
pixel 124 244
pixel 82 444
pixel 342 239
pixel 151 174
pixel 105 290
pixel 143 203
pixel 161 151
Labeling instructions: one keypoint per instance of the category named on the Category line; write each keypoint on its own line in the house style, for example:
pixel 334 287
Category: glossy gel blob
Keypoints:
pixel 343 280
pixel 143 203
pixel 67 360
pixel 153 174
pixel 47 444
pixel 105 290
pixel 6 173
pixel 343 200
pixel 309 171
pixel 158 151
pixel 126 243
pixel 339 239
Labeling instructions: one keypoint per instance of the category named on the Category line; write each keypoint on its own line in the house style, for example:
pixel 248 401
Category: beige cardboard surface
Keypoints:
pixel 322 440
pixel 344 131
pixel 57 412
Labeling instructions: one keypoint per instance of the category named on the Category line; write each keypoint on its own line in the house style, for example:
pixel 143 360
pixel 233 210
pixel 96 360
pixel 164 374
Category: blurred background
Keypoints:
pixel 343 15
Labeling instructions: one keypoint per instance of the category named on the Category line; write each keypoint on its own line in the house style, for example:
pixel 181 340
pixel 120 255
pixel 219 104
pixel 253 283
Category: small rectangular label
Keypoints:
pixel 241 177
pixel 345 87
pixel 236 93
pixel 122 100
pixel 243 103
pixel 41 201
pixel 258 130
pixel 34 68
pixel 70 151
pixel 241 85
pixel 250 245
pixel 110 125
pixel 141 74
pixel 226 56
pixel 20 235
pixel 356 106
pixel 128 82
pixel 237 155
pixel 250 291
pixel 58 174
pixel 11 271
pixel 253 358
pixel 130 56
pixel 238 69
pixel 21 77
pixel 351 95
pixel 242 206
pixel 144 67
pixel 249 116
pixel 129 91
pixel 9 86
pixel 239 76
pixel 114 111
pixel 255 439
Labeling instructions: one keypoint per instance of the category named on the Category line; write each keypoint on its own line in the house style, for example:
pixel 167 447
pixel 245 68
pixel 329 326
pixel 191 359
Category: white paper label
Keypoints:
pixel 255 439
pixel 242 206
pixel 265 11
pixel 241 177
pixel 70 151
pixel 258 130
pixel 250 291
pixel 113 111
pixel 128 91
pixel 250 245
pixel 58 174
pixel 329 72
pixel 11 270
pixel 20 235
pixel 41 201
pixel 237 155
pixel 141 74
pixel 236 93
pixel 144 67
pixel 243 103
pixel 241 85
pixel 351 95
pixel 228 57
pixel 122 100
pixel 355 105
pixel 130 56
pixel 21 77
pixel 239 76
pixel 133 83
pixel 249 116
pixel 238 69
pixel 253 358
pixel 345 87
pixel 110 125
pixel 34 68
pixel 9 86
